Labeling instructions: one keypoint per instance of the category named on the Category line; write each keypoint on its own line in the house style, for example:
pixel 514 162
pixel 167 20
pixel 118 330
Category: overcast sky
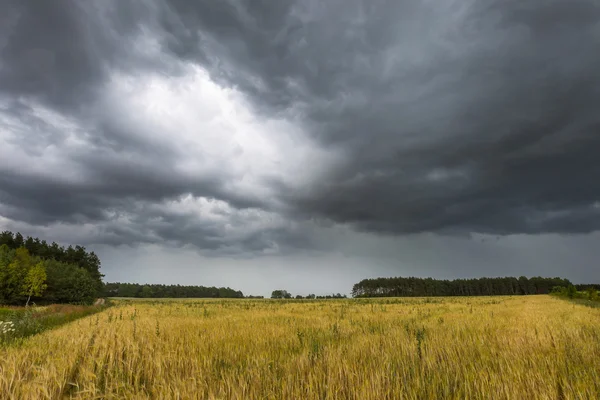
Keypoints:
pixel 304 144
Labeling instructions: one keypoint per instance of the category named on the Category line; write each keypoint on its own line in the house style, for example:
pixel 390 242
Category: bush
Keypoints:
pixel 559 291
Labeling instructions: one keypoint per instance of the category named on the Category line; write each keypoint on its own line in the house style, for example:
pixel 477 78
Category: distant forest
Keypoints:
pixel 118 289
pixel 585 286
pixel 417 287
pixel 34 270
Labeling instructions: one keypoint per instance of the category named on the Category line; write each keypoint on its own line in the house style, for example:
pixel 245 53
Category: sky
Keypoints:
pixel 305 145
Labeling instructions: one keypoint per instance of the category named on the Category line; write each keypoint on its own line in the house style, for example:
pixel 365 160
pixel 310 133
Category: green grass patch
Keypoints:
pixel 585 302
pixel 588 298
pixel 18 323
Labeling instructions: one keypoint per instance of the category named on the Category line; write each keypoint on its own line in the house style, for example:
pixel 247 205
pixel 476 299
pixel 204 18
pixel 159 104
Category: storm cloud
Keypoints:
pixel 252 127
pixel 462 116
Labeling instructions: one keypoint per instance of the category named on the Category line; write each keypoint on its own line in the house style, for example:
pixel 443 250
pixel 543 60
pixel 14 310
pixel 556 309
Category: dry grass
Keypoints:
pixel 481 348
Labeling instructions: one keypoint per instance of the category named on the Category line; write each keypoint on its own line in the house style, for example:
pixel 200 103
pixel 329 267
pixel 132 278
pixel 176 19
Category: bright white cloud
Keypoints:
pixel 213 129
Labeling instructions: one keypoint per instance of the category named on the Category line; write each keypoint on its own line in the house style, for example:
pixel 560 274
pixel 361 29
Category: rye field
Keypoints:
pixel 529 347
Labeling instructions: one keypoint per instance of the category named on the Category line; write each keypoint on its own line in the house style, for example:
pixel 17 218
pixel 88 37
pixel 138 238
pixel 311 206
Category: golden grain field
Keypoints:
pixel 530 347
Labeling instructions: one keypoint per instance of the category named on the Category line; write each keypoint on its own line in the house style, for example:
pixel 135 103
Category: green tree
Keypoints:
pixel 35 282
pixel 77 255
pixel 15 275
pixel 146 292
pixel 281 294
pixel 68 283
pixel 6 256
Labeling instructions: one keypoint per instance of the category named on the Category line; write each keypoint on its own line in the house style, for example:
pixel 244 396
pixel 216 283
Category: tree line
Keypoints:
pixel 25 278
pixel 413 287
pixel 284 294
pixel 118 289
pixel 587 286
pixel 77 256
pixel 34 270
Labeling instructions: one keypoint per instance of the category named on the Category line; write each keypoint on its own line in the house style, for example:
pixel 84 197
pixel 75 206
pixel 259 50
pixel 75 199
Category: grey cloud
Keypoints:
pixel 497 99
pixel 61 53
pixel 108 186
pixel 48 53
pixel 60 57
pixel 450 118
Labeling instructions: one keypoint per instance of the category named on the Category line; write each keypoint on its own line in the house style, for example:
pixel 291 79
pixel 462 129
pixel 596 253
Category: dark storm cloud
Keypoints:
pixel 60 53
pixel 463 116
pixel 450 117
pixel 61 57
pixel 49 53
pixel 106 187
